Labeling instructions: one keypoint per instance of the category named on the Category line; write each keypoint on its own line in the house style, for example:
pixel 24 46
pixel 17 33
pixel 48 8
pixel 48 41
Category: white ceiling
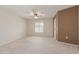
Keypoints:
pixel 24 10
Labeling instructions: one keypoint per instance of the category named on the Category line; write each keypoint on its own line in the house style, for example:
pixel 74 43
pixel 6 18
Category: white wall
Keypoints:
pixel 12 27
pixel 55 28
pixel 48 27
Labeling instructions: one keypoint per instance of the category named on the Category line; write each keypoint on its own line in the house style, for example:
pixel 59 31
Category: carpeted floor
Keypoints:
pixel 38 45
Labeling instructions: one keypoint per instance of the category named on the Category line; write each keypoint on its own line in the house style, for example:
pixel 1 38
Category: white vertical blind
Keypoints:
pixel 39 27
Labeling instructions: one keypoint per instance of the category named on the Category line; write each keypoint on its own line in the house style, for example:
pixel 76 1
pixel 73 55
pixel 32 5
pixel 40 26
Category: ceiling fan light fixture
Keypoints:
pixel 35 17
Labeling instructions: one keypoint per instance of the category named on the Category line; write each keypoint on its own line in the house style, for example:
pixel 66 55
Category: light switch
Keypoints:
pixel 66 37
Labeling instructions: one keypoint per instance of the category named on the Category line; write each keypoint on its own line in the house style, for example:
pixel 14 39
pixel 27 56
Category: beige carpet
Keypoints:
pixel 38 45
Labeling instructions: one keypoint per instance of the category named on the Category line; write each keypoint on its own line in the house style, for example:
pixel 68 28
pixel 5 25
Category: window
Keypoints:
pixel 39 27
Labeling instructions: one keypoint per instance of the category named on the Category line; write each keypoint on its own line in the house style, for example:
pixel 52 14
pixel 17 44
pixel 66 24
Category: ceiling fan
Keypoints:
pixel 36 14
